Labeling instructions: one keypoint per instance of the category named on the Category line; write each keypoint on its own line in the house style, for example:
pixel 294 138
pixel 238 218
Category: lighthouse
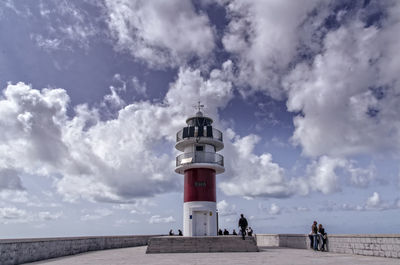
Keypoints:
pixel 199 163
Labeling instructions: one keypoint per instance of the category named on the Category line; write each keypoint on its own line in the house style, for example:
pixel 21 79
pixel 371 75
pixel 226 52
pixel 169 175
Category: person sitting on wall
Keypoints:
pixel 171 233
pixel 234 232
pixel 249 231
pixel 226 232
pixel 180 232
pixel 219 232
pixel 322 236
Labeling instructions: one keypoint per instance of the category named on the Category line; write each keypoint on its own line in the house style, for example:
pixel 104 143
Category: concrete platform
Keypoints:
pixel 198 244
pixel 276 256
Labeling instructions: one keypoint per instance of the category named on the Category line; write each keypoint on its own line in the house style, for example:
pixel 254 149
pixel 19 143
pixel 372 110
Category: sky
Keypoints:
pixel 92 93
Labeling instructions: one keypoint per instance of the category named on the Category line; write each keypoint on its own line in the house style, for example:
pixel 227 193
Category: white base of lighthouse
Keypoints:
pixel 200 218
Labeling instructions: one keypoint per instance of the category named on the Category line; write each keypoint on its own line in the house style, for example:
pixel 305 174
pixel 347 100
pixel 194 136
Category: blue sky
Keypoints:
pixel 93 92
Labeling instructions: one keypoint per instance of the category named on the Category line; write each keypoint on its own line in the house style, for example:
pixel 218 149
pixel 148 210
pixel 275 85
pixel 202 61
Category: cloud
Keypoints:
pixel 254 175
pixel 115 160
pixel 12 214
pixel 374 200
pixel 300 209
pixel 46 44
pixel 125 222
pixel 372 203
pixel 47 216
pixel 113 100
pixel 274 209
pixel 10 180
pixel 324 176
pixel 97 160
pixel 96 214
pixel 15 196
pixel 225 209
pixel 264 36
pixel 64 25
pixel 346 99
pixel 157 219
pixel 140 206
pixel 159 33
pixel 140 88
pixel 15 215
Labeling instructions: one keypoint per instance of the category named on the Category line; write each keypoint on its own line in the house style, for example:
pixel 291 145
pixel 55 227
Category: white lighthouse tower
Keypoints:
pixel 199 164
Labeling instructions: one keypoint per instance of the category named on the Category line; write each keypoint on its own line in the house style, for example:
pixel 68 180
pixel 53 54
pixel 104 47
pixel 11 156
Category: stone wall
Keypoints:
pixel 18 251
pixel 198 244
pixel 293 241
pixel 368 245
pixel 267 240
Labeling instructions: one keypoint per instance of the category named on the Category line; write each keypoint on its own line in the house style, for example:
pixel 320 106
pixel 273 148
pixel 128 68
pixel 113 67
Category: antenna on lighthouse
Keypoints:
pixel 199 106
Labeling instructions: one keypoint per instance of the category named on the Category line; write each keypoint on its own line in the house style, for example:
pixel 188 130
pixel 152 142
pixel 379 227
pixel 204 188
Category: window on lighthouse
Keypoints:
pixel 199 148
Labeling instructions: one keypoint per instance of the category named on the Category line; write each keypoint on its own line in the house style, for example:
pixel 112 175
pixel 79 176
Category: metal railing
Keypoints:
pixel 199 157
pixel 216 134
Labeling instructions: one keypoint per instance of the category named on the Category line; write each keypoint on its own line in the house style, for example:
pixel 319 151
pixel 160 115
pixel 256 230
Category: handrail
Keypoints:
pixel 216 135
pixel 199 157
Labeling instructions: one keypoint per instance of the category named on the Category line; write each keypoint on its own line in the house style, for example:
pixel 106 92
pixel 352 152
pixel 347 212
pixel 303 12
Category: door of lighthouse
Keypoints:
pixel 200 223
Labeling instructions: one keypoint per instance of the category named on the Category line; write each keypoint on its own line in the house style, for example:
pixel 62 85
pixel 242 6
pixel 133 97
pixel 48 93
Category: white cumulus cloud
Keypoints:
pixel 254 175
pixel 265 36
pixel 324 176
pixel 347 97
pixel 158 32
pixel 157 219
pixel 274 209
pixel 225 209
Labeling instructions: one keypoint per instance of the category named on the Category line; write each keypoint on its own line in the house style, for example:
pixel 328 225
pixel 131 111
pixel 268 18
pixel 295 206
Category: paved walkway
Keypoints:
pixel 277 256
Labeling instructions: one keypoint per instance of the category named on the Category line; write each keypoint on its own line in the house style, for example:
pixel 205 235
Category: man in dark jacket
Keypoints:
pixel 243 225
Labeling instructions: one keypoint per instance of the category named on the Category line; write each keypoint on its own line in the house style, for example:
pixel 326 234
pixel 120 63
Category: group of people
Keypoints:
pixel 244 229
pixel 171 232
pixel 318 236
pixel 243 225
pixel 249 232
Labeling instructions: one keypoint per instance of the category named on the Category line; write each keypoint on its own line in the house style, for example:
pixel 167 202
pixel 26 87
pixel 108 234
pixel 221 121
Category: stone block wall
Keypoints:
pixel 267 240
pixel 198 244
pixel 368 245
pixel 18 251
pixel 293 241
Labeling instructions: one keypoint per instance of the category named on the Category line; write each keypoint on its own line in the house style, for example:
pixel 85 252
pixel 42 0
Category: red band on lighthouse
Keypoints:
pixel 200 185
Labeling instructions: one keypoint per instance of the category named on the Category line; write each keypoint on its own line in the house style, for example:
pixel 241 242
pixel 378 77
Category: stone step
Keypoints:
pixel 180 244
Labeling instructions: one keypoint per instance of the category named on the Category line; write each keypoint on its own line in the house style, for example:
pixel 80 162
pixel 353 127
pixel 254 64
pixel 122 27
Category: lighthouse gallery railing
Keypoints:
pixel 199 157
pixel 194 132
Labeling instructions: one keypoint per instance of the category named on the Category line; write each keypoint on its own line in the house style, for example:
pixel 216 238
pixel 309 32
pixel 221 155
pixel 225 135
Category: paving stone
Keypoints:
pixel 274 255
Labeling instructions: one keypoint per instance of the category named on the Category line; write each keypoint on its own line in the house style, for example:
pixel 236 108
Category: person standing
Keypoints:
pixel 314 231
pixel 243 225
pixel 311 237
pixel 322 236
